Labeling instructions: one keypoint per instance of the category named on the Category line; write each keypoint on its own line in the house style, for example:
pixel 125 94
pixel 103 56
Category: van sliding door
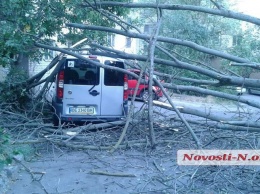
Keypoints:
pixel 112 90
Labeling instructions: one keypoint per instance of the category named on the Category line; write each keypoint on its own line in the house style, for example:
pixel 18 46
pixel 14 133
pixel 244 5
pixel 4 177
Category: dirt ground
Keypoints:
pixel 81 172
pixel 133 168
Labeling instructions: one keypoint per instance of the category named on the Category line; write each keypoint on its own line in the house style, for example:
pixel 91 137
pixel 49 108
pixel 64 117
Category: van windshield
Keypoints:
pixel 79 72
pixel 112 77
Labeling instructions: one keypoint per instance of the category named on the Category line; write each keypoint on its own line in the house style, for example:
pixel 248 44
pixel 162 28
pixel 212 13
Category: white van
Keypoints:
pixel 87 93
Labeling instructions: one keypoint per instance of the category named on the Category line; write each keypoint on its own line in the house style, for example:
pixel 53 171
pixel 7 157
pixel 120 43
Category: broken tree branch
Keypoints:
pixel 218 12
pixel 95 172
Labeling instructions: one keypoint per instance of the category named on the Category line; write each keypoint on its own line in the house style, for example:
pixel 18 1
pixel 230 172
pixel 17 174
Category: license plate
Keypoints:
pixel 82 110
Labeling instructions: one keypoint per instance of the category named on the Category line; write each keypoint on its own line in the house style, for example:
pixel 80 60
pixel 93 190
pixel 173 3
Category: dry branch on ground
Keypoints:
pixel 171 135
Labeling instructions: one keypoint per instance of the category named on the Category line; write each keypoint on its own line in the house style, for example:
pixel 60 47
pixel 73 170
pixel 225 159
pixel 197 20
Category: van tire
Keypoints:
pixel 55 120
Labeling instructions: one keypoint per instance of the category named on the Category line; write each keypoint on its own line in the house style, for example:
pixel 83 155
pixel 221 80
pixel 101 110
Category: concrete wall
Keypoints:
pixel 121 41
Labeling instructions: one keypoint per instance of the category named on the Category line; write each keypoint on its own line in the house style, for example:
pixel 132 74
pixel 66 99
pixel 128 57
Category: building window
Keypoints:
pixel 128 42
pixel 227 41
pixel 237 39
pixel 148 28
pixel 111 40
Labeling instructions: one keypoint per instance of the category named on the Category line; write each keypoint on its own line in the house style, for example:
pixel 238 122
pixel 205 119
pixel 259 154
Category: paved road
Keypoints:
pixel 222 109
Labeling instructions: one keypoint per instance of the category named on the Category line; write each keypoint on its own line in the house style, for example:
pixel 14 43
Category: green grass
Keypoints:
pixel 8 150
pixel 5 157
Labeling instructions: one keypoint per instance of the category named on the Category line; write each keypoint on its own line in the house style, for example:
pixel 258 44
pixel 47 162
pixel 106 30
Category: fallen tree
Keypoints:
pixel 166 126
pixel 215 78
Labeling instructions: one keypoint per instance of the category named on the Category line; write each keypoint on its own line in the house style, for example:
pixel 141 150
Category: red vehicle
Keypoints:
pixel 142 91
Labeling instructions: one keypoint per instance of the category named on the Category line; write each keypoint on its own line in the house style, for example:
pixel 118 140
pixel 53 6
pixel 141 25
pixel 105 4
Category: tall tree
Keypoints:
pixel 25 21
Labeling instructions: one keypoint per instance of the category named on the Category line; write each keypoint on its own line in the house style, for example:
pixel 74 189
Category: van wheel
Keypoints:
pixel 145 95
pixel 55 120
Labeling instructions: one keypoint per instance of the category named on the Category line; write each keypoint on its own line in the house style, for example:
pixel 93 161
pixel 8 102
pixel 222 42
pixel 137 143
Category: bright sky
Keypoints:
pixel 250 7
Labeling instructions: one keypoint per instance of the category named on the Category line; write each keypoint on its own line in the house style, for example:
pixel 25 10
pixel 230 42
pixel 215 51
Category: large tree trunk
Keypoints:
pixel 22 63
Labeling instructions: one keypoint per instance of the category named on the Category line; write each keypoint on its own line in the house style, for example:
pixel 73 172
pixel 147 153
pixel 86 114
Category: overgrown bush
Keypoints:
pixel 13 89
pixel 4 149
pixel 9 150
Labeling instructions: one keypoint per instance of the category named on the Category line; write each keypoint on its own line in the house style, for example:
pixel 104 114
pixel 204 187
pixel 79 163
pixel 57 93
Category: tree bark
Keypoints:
pixel 218 12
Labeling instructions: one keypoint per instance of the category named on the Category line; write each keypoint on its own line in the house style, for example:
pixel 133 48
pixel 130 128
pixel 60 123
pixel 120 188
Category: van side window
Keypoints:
pixel 71 76
pixel 78 72
pixel 112 77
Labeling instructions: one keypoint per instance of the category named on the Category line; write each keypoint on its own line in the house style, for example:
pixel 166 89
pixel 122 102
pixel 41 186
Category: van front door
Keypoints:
pixel 112 90
pixel 82 89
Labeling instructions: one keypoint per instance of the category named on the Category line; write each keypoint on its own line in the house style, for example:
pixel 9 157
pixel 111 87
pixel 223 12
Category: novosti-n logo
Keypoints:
pixel 218 157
